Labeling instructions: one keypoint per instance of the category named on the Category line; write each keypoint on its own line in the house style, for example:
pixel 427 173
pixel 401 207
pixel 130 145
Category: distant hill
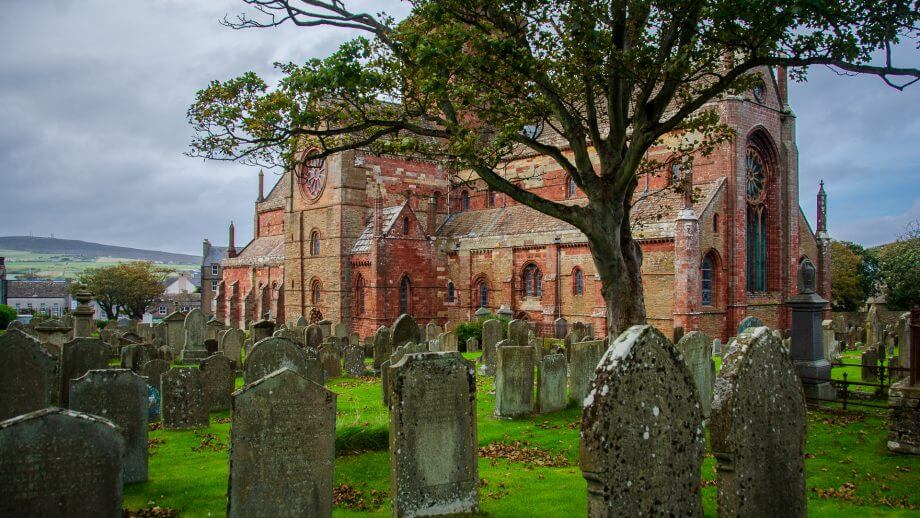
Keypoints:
pixel 72 247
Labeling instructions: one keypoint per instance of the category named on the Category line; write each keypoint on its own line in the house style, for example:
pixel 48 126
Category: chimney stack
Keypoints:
pixel 261 186
pixel 231 248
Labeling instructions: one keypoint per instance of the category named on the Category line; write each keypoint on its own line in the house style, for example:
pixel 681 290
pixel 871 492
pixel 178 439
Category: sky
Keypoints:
pixel 94 93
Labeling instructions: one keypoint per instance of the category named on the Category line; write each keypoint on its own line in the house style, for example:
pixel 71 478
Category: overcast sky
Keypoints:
pixel 93 96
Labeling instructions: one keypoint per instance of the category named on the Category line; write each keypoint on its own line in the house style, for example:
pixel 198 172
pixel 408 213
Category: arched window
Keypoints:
pixel 676 174
pixel 405 295
pixel 532 281
pixel 569 187
pixel 706 277
pixel 406 226
pixel 756 222
pixel 491 198
pixel 314 243
pixel 464 200
pixel 483 290
pixel 359 295
pixel 436 199
pixel 578 282
pixel 316 290
pixel 451 292
pixel 715 223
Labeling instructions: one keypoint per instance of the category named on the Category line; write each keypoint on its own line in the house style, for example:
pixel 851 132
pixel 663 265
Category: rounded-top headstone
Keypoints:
pixel 748 322
pixel 696 349
pixel 28 375
pixel 405 330
pixel 271 354
pixel 219 381
pixel 79 356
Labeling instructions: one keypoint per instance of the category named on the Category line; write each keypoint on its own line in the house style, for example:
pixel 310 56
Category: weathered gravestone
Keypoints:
pixel 583 360
pixel 642 440
pixel 77 358
pixel 183 401
pixel 513 380
pixel 385 367
pixel 120 396
pixel 870 365
pixel 517 332
pixel 153 371
pixel 219 381
pixel 448 341
pixel 340 330
pixel 175 331
pixel 261 330
pixel 60 463
pixel 301 322
pixel 404 330
pixel 758 429
pixel 313 336
pixel 560 328
pixel 272 354
pixel 28 375
pixel 551 380
pixel 133 356
pixel 433 445
pixel 696 350
pixel 230 344
pixel 282 448
pixel 354 361
pixel 159 335
pixel 196 332
pixel 491 335
pixel 214 329
pixel 432 331
pixel 329 358
pixel 472 345
pixel 382 348
pixel 749 322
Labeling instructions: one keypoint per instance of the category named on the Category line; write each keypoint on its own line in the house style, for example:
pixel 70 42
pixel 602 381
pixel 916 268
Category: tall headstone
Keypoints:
pixel 758 429
pixel 79 356
pixel 28 375
pixel 448 341
pixel 330 360
pixel 829 340
pixel 696 351
pixel 120 396
pixel 433 445
pixel 551 381
pixel 517 332
pixel 382 348
pixel 514 381
pixel 583 360
pixel 272 354
pixel 133 356
pixel 354 361
pixel 57 462
pixel 340 330
pixel 196 333
pixel 282 448
pixel 183 401
pixel 219 381
pixel 869 361
pixel 642 439
pixel 230 344
pixel 560 328
pixel 404 330
pixel 313 336
pixel 904 340
pixel 491 335
pixel 83 325
pixel 807 342
pixel 175 331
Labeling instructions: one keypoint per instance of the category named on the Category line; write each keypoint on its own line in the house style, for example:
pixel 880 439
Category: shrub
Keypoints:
pixel 7 315
pixel 465 330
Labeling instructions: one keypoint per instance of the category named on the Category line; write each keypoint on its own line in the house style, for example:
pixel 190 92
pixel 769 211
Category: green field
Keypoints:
pixel 527 467
pixel 61 265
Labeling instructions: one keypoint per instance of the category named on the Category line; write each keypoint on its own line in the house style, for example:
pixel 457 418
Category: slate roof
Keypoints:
pixel 215 255
pixel 37 289
pixel 265 250
pixel 363 244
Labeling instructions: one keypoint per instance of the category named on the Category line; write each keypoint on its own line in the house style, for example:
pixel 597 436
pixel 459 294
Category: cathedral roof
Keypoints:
pixel 261 251
pixel 363 244
pixel 276 197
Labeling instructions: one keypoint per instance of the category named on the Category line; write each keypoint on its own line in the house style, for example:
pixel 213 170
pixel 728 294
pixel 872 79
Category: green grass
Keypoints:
pixel 60 265
pixel 842 449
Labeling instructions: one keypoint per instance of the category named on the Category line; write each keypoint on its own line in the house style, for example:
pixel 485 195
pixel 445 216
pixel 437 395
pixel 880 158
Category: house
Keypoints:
pixel 43 297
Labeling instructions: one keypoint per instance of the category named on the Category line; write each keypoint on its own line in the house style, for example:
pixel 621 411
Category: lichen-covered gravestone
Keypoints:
pixel 404 330
pixel 183 400
pixel 869 361
pixel 133 356
pixel 382 348
pixel 748 322
pixel 517 332
pixel 583 360
pixel 219 381
pixel 472 344
pixel 313 336
pixel 433 445
pixel 120 396
pixel 329 358
pixel 153 371
pixel 230 344
pixel 758 429
pixel 28 375
pixel 79 356
pixel 696 349
pixel 642 437
pixel 282 448
pixel 196 332
pixel 491 335
pixel 56 462
pixel 551 381
pixel 272 354
pixel 354 361
pixel 448 341
pixel 513 381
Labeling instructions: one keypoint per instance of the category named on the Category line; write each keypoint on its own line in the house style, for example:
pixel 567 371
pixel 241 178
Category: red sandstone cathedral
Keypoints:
pixel 363 238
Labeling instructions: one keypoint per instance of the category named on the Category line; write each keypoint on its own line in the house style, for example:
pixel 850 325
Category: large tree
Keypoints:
pixel 900 269
pixel 124 288
pixel 478 81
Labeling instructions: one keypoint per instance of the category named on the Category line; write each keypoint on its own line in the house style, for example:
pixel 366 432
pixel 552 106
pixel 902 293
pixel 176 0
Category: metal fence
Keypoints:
pixel 845 388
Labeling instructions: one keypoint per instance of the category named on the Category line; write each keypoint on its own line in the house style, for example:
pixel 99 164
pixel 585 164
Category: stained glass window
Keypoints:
pixel 405 289
pixel 706 280
pixel 578 282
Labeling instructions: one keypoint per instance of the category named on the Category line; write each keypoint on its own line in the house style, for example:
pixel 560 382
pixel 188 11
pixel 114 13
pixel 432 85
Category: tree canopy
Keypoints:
pixel 481 81
pixel 900 269
pixel 124 288
pixel 854 275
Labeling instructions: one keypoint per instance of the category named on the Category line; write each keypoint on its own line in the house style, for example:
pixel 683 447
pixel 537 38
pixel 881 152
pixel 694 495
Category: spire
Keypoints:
pixel 378 213
pixel 822 209
pixel 261 186
pixel 231 248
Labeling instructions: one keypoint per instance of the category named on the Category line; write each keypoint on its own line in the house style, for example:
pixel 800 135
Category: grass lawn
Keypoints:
pixel 531 467
pixel 60 265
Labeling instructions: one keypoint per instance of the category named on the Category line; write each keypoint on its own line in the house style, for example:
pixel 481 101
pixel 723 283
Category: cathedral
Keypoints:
pixel 362 238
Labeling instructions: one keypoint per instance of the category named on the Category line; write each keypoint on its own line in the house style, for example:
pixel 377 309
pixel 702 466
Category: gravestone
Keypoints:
pixel 53 332
pixel 133 356
pixel 381 346
pixel 79 356
pixel 231 346
pixel 579 332
pixel 272 354
pixel 28 375
pixel 159 334
pixel 282 448
pixel 183 401
pixel 313 336
pixel 340 330
pixel 560 328
pixel 404 330
pixel 262 329
pixel 472 345
pixel 301 322
pixel 433 445
pixel 196 333
pixel 696 350
pixel 330 360
pixel 433 345
pixel 748 322
pixel 869 362
pixel 514 381
pixel 57 462
pixel 175 331
pixel 120 396
pixel 717 347
pixel 326 327
pixel 583 360
pixel 354 361
pixel 491 335
pixel 903 330
pixel 448 341
pixel 517 332
pixel 642 439
pixel 219 381
pixel 153 371
pixel 758 429
pixel 551 381
pixel 432 331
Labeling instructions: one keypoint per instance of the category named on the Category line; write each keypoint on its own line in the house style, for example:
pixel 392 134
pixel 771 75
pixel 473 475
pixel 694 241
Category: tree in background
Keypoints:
pixel 127 287
pixel 900 269
pixel 854 275
pixel 481 82
pixel 7 315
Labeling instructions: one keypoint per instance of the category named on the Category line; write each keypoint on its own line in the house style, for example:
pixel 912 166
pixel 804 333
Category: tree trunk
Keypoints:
pixel 618 259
